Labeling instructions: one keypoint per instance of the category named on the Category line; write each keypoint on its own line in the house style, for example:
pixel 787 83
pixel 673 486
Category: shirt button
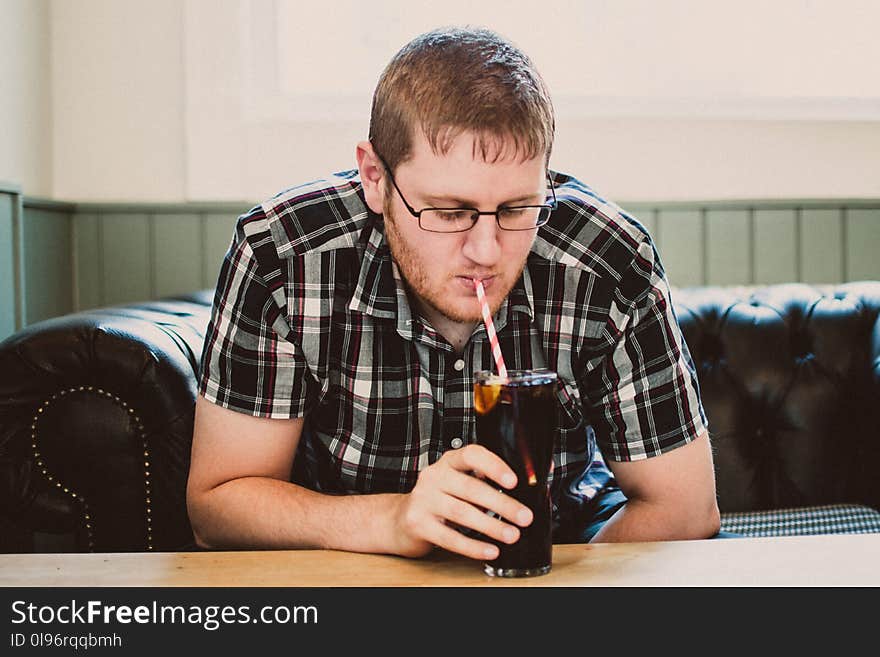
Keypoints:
pixel 458 365
pixel 456 443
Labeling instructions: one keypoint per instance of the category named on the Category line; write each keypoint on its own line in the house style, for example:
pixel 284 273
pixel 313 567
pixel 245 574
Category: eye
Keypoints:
pixel 456 215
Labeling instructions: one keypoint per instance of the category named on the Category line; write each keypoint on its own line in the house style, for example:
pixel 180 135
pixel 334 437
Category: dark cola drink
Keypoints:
pixel 516 418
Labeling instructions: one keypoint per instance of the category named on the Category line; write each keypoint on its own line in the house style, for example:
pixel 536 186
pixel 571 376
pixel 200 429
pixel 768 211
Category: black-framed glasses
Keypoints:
pixel 458 220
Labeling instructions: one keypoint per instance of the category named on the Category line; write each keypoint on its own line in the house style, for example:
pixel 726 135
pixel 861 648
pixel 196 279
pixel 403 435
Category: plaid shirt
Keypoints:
pixel 311 318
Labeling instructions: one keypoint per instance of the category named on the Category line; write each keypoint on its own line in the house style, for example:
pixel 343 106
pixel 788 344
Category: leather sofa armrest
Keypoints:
pixel 96 412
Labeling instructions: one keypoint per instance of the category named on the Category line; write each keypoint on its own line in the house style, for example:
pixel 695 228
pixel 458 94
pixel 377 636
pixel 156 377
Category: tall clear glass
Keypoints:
pixel 516 418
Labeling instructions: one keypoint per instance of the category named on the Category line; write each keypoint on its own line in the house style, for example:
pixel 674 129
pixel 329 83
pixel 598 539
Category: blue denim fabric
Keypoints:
pixel 597 512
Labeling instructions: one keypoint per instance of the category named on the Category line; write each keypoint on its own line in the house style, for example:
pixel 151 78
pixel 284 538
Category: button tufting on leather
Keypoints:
pixel 801 346
pixel 711 349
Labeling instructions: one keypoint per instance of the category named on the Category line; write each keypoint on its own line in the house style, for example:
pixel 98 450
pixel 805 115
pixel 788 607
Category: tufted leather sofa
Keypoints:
pixel 96 412
pixel 96 415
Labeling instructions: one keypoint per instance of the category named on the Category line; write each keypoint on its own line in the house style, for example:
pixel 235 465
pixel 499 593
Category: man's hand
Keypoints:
pixel 453 490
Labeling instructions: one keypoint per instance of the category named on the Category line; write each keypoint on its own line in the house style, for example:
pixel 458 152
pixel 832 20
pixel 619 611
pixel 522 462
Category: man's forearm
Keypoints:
pixel 639 521
pixel 259 512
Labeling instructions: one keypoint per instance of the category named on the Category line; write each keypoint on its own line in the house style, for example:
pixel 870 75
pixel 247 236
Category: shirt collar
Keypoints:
pixel 519 300
pixel 375 293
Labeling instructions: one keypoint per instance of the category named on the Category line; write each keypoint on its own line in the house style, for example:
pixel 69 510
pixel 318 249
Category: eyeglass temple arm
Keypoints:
pixel 552 188
pixel 412 210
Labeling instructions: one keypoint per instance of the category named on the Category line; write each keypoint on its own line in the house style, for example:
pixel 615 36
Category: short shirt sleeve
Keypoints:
pixel 644 394
pixel 249 362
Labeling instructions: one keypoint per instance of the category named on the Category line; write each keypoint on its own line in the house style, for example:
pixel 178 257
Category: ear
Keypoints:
pixel 372 176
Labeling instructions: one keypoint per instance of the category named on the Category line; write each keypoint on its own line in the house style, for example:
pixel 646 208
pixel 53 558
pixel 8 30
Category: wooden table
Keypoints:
pixel 833 560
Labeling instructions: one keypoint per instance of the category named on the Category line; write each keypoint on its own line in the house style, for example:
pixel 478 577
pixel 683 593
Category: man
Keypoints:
pixel 336 384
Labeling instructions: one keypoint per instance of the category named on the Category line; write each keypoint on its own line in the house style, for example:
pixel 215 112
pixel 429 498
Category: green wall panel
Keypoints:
pixel 80 257
pixel 728 248
pixel 217 231
pixel 48 251
pixel 7 265
pixel 863 244
pixel 680 244
pixel 821 246
pixel 125 249
pixel 177 252
pixel 775 250
pixel 88 259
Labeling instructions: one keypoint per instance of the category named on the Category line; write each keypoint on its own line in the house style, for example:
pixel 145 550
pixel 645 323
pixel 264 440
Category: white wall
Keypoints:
pixel 684 99
pixel 117 82
pixel 25 95
pixel 703 159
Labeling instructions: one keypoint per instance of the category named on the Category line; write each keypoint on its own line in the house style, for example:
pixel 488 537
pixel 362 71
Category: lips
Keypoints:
pixel 469 281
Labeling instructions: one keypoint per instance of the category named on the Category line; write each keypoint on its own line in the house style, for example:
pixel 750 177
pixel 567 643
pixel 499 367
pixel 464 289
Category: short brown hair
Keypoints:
pixel 452 80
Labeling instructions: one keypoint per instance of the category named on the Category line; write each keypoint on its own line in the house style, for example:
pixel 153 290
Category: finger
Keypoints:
pixel 449 539
pixel 482 461
pixel 466 515
pixel 478 493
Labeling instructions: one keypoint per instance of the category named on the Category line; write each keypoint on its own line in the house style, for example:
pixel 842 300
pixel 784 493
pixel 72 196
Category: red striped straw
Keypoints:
pixel 490 328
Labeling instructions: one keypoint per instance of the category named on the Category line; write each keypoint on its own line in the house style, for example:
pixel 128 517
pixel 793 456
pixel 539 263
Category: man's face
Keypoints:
pixel 440 268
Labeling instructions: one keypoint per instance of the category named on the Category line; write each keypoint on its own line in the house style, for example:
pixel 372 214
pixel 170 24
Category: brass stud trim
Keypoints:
pixel 149 506
pixel 51 478
pixel 44 470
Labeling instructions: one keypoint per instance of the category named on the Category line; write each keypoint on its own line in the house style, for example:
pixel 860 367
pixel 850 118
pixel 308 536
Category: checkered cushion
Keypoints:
pixel 832 519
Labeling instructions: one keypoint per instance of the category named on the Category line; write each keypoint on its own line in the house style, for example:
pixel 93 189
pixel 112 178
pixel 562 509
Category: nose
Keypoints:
pixel 482 242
